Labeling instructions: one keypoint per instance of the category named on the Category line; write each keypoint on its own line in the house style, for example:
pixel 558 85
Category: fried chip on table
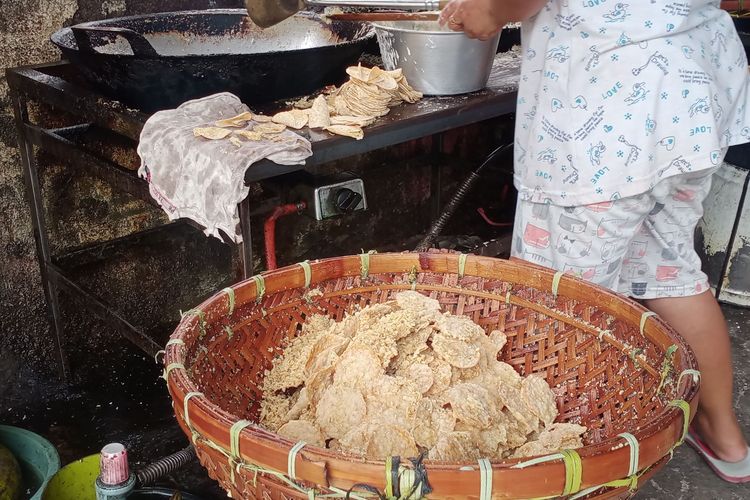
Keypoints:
pixel 300 430
pixel 302 103
pixel 250 135
pixel 339 410
pixel 358 121
pixel 340 105
pixel 269 128
pixel 236 121
pixel 295 118
pixel 262 118
pixel 407 93
pixel 382 79
pixel 319 116
pixel 472 404
pixel 212 133
pixel 456 352
pixel 360 73
pixel 352 131
pixel 397 74
pixel 236 142
pixel 539 398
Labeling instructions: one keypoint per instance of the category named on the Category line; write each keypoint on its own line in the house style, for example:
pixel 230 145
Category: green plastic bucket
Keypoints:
pixel 75 481
pixel 37 457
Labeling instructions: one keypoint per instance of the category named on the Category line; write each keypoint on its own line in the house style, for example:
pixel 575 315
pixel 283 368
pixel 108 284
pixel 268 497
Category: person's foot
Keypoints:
pixel 724 439
pixel 733 472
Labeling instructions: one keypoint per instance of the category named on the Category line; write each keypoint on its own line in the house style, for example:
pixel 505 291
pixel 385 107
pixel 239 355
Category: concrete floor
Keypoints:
pixel 126 402
pixel 687 476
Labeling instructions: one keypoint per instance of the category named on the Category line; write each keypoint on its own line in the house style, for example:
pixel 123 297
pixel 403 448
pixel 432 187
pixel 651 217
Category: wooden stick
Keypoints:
pixel 385 16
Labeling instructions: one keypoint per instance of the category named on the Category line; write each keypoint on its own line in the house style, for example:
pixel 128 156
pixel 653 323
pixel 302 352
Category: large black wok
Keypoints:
pixel 158 61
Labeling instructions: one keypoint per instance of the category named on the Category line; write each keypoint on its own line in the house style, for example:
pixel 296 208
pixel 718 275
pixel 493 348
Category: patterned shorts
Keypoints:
pixel 641 246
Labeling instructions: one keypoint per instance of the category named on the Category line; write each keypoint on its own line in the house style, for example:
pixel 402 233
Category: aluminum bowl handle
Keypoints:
pixel 138 43
pixel 383 4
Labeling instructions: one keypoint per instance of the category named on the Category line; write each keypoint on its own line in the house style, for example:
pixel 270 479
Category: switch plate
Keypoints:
pixel 325 208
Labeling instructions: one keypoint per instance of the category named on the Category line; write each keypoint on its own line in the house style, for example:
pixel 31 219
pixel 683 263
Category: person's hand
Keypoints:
pixel 480 19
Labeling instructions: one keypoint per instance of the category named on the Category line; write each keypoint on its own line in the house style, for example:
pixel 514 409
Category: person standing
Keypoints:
pixel 625 110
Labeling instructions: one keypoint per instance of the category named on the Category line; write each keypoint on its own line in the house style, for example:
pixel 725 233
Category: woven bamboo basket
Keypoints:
pixel 614 367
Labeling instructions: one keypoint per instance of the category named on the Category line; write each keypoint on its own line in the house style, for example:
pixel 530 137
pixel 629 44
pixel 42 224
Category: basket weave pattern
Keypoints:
pixel 608 364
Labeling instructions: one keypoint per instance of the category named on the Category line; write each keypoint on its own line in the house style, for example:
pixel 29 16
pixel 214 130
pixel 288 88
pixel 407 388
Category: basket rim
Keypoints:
pixel 210 418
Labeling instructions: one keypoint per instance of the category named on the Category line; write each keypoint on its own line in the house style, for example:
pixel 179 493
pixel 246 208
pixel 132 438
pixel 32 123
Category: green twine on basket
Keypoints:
pixel 260 287
pixel 364 264
pixel 230 295
pixel 201 315
pixel 462 265
pixel 305 265
pixel 666 367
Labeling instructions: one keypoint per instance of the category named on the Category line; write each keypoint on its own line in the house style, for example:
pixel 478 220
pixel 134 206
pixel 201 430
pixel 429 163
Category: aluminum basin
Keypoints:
pixel 435 60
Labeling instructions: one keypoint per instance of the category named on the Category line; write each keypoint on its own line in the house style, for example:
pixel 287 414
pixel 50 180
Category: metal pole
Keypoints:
pixel 247 239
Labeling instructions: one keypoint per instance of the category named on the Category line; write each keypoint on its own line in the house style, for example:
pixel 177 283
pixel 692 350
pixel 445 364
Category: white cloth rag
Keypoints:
pixel 200 179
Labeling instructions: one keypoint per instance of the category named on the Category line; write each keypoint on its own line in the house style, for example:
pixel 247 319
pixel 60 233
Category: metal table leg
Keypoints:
pixel 36 204
pixel 436 178
pixel 246 247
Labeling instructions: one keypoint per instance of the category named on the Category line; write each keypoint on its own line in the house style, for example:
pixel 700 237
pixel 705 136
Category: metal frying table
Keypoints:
pixel 57 85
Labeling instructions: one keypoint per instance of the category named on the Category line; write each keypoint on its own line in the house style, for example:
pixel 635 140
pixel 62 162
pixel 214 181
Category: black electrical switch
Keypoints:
pixel 346 200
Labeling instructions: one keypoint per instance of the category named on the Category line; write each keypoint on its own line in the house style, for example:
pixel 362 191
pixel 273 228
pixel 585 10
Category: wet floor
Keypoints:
pixel 129 403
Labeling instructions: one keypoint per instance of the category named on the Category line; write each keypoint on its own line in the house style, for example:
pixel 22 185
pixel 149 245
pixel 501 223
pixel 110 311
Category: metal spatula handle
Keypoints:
pixel 383 4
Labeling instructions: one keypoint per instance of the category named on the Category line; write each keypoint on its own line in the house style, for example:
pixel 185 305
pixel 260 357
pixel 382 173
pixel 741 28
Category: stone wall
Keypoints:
pixel 25 27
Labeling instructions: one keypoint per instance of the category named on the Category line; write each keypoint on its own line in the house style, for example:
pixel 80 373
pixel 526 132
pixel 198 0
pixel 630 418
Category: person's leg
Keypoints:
pixel 679 293
pixel 700 321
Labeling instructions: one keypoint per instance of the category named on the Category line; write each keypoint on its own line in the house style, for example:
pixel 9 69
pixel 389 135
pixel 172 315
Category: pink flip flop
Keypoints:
pixel 733 472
